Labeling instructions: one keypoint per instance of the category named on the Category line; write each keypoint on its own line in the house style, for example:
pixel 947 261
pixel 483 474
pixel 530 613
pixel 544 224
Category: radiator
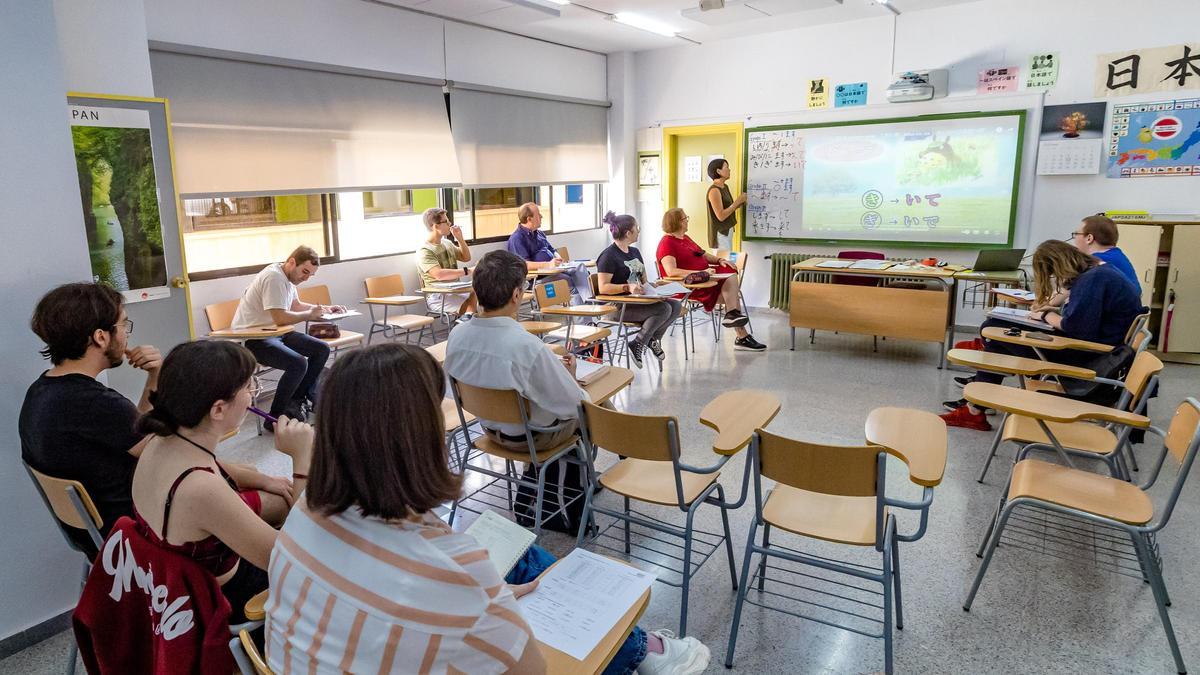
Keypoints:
pixel 781 276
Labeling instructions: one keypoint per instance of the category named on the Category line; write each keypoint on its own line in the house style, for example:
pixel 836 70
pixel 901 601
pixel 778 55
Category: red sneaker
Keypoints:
pixel 976 344
pixel 963 417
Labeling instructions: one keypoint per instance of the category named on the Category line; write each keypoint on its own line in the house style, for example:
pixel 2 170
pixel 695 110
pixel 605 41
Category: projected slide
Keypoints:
pixel 948 181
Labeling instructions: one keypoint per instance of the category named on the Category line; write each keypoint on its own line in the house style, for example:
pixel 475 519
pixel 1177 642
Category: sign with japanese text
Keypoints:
pixel 818 93
pixel 850 93
pixel 1137 71
pixel 998 80
pixel 1042 71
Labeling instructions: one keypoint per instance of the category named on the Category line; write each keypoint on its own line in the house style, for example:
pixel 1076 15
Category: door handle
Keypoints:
pixel 178 282
pixel 1176 276
pixel 1146 276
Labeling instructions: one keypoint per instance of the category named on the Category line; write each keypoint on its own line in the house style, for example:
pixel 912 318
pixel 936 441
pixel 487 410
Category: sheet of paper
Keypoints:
pixel 1018 293
pixel 667 289
pixel 504 540
pixel 586 372
pixel 840 264
pixel 871 264
pixel 1020 316
pixel 580 599
pixel 721 275
pixel 334 316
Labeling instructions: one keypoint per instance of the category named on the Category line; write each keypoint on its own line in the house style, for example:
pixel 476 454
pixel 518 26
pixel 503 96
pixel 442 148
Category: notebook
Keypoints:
pixel 839 264
pixel 871 264
pixel 504 540
pixel 1020 316
pixel 587 372
pixel 450 284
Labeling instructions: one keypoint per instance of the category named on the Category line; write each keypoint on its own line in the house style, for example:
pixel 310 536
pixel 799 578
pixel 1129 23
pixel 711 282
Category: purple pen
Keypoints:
pixel 265 416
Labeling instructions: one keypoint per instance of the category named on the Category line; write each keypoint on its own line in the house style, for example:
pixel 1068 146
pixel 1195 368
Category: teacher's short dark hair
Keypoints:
pixel 66 317
pixel 714 166
pixel 496 277
pixel 380 447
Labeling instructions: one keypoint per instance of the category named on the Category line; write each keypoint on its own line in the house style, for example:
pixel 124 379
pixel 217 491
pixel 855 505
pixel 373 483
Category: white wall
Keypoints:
pixel 763 80
pixel 104 52
pixel 44 246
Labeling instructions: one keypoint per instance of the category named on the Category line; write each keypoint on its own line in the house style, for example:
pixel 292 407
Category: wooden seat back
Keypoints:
pixel 314 295
pixel 846 471
pixel 384 286
pixel 563 253
pixel 1184 430
pixel 220 315
pixel 552 294
pixel 648 437
pixel 59 499
pixel 497 405
pixel 1135 328
pixel 1145 366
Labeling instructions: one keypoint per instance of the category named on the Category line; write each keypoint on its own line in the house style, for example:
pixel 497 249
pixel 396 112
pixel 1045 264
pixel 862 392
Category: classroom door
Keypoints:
pixel 689 154
pixel 1181 318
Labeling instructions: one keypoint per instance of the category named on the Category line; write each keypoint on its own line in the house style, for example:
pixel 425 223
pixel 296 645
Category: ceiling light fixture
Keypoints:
pixel 642 23
pixel 546 6
pixel 888 6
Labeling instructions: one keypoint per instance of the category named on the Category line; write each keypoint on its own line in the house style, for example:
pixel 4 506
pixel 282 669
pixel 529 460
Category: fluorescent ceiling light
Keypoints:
pixel 642 23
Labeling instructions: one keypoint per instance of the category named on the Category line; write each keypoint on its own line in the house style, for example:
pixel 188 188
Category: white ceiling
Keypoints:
pixel 577 26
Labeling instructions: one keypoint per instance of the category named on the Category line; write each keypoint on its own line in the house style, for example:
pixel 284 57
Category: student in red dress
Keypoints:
pixel 679 254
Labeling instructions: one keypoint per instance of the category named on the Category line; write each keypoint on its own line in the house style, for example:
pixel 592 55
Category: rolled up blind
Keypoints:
pixel 243 128
pixel 506 140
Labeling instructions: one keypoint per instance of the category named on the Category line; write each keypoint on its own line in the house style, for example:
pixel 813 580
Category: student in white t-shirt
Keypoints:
pixel 437 260
pixel 272 299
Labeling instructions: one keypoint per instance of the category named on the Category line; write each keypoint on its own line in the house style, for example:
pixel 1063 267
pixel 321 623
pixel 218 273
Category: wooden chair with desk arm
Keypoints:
pixel 651 471
pixel 386 292
pixel 554 299
pixel 837 494
pixel 1103 502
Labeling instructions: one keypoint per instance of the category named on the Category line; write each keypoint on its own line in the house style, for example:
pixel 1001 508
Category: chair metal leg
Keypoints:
pixel 896 584
pixel 538 501
pixel 992 451
pixel 1160 598
pixel 510 470
pixel 762 561
pixel 627 527
pixel 987 558
pixel 812 336
pixel 741 595
pixel 887 606
pixel 728 538
pixel 687 566
pixel 875 343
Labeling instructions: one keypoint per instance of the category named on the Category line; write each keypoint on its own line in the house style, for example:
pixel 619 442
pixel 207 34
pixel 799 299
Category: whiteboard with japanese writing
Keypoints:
pixel 945 180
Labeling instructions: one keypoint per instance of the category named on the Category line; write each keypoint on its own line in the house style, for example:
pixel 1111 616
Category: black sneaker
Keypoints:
pixel 635 352
pixel 657 350
pixel 954 405
pixel 735 319
pixel 749 344
pixel 296 410
pixel 965 380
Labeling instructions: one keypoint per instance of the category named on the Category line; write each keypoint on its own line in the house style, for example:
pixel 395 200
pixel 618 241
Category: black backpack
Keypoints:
pixel 527 497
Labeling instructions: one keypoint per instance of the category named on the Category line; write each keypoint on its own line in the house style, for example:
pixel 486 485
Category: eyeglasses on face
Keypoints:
pixel 127 324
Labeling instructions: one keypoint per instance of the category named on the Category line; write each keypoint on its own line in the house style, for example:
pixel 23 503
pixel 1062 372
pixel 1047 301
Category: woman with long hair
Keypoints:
pixel 183 497
pixel 1101 306
pixel 621 269
pixel 366 578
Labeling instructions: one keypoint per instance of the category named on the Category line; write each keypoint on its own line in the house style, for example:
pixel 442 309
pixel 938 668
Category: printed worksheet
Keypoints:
pixel 580 599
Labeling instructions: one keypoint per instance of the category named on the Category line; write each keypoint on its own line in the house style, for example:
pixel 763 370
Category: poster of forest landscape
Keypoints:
pixel 115 161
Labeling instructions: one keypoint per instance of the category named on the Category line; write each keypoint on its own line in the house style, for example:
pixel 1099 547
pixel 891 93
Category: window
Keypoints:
pixel 496 209
pixel 462 210
pixel 231 232
pixel 575 207
pixel 382 222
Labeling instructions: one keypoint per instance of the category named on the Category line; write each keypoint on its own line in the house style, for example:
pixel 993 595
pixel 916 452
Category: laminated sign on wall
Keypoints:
pixel 1042 71
pixel 818 93
pixel 1151 140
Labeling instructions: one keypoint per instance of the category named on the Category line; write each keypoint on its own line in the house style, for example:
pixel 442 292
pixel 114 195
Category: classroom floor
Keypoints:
pixel 1042 608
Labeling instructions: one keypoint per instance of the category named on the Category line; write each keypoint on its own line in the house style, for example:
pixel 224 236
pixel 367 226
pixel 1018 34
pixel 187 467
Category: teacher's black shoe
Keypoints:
pixel 749 344
pixel 734 318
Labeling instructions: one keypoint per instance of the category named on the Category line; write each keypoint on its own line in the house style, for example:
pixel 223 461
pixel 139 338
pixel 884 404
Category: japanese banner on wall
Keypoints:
pixel 1137 71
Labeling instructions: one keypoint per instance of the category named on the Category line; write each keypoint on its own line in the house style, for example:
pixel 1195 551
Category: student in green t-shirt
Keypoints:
pixel 437 260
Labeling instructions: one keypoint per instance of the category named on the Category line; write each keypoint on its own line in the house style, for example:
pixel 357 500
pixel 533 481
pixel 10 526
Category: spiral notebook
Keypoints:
pixel 504 540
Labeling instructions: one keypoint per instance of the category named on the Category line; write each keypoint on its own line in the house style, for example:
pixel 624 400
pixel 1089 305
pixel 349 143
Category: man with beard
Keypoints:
pixel 72 426
pixel 272 299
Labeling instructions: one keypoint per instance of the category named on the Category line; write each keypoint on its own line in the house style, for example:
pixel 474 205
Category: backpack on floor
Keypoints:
pixel 527 497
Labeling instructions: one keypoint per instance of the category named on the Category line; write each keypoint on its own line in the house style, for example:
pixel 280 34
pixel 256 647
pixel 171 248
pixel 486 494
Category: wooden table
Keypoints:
pixel 912 314
pixel 608 385
pixel 735 415
pixel 260 332
pixel 915 436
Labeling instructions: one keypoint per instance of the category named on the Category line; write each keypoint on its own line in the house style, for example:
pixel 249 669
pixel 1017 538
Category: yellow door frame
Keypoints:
pixel 670 134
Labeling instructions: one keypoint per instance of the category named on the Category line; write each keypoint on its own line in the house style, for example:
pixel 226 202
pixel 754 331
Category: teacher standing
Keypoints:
pixel 722 207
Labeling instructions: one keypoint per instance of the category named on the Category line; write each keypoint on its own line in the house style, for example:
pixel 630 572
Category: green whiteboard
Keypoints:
pixel 941 181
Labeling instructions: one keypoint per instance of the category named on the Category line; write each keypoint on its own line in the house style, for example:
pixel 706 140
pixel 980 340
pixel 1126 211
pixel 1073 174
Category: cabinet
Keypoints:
pixel 1166 256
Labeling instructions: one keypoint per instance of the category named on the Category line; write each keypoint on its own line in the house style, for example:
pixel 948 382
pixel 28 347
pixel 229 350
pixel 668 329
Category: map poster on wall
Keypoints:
pixel 818 93
pixel 115 161
pixel 1150 140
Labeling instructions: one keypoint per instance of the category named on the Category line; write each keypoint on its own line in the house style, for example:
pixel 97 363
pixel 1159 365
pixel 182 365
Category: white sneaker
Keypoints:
pixel 680 656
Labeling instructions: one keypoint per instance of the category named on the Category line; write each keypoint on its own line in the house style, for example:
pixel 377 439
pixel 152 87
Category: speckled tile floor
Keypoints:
pixel 1036 612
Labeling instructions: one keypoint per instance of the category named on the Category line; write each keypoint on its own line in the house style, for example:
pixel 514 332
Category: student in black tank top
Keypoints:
pixel 722 207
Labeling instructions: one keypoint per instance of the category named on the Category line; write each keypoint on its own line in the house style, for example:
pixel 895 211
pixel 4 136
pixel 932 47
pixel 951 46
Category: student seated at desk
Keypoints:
pixel 184 499
pixel 530 244
pixel 495 352
pixel 620 269
pixel 678 255
pixel 437 260
pixel 272 299
pixel 1101 306
pixel 73 427
pixel 365 578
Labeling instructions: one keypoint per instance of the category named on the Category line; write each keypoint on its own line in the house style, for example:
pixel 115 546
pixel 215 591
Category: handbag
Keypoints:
pixel 324 330
pixel 697 277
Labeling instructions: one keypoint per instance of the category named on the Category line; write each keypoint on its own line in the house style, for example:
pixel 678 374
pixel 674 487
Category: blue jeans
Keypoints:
pixel 628 657
pixel 300 357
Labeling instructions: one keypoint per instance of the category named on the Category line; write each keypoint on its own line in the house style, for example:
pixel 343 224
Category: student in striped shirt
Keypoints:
pixel 365 578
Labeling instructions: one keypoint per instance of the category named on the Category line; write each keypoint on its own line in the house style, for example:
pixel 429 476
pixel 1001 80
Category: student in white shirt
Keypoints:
pixel 364 577
pixel 495 352
pixel 437 260
pixel 272 299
